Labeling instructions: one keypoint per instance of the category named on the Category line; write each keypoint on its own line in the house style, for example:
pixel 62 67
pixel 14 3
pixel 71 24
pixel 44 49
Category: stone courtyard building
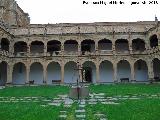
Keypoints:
pixel 108 52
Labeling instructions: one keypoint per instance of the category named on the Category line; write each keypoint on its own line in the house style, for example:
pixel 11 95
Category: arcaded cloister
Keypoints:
pixel 107 52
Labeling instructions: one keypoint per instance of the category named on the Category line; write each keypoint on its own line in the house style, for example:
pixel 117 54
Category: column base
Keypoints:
pixel 133 81
pixel 27 84
pixel 8 84
pixel 151 80
pixel 115 81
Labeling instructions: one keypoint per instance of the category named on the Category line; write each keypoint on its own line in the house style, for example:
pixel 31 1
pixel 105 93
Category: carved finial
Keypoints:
pixel 156 19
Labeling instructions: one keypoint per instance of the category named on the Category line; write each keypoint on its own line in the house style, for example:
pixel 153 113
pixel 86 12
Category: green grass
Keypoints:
pixel 126 89
pixel 142 109
pixel 47 91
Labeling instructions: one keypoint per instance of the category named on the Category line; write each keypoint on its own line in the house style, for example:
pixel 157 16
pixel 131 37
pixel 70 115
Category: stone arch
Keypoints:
pixel 19 73
pixel 156 68
pixel 70 72
pixel 71 46
pixel 87 45
pixel 105 44
pixel 53 72
pixel 153 41
pixel 141 70
pixel 123 70
pixel 53 46
pixel 138 45
pixel 20 46
pixel 37 47
pixel 3 73
pixel 36 72
pixel 121 45
pixel 89 69
pixel 5 44
pixel 106 71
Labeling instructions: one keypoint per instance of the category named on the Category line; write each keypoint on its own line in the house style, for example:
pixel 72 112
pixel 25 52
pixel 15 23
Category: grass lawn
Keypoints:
pixel 137 109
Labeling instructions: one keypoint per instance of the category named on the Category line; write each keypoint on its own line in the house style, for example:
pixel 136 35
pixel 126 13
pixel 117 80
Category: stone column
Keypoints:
pixel 44 74
pixel 9 74
pixel 130 46
pixel 2 10
pixel 62 48
pixel 147 43
pixel 11 48
pixel 0 43
pixel 96 46
pixel 115 72
pixel 62 74
pixel 113 47
pixel 150 71
pixel 79 48
pixel 97 73
pixel 27 74
pixel 158 40
pixel 28 49
pixel 45 49
pixel 132 73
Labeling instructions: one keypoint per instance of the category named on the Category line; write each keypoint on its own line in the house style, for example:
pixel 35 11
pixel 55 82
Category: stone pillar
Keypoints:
pixel 96 46
pixel 113 47
pixel 0 42
pixel 79 66
pixel 150 71
pixel 9 74
pixel 28 49
pixel 79 48
pixel 147 43
pixel 11 48
pixel 2 10
pixel 132 73
pixel 44 74
pixel 130 46
pixel 62 48
pixel 45 49
pixel 97 73
pixel 62 74
pixel 115 72
pixel 27 74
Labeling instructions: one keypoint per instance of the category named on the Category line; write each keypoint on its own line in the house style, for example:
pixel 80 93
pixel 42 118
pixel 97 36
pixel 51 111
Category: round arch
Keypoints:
pixel 37 47
pixel 19 73
pixel 123 70
pixel 5 44
pixel 69 43
pixel 20 46
pixel 106 71
pixel 53 46
pixel 141 70
pixel 153 41
pixel 89 74
pixel 156 68
pixel 87 46
pixel 105 44
pixel 121 45
pixel 36 73
pixel 138 44
pixel 70 72
pixel 3 73
pixel 53 72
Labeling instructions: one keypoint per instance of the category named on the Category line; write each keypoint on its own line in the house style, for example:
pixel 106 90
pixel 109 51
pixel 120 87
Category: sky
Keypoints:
pixel 78 11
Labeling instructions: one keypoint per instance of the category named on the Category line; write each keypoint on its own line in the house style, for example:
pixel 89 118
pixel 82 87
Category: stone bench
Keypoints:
pixel 124 80
pixel 156 79
pixel 31 82
pixel 56 81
